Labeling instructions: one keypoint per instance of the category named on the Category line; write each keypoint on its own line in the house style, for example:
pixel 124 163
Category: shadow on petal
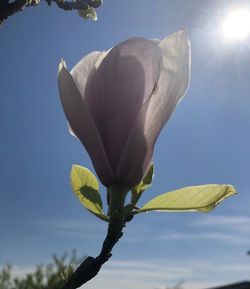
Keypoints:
pixel 83 126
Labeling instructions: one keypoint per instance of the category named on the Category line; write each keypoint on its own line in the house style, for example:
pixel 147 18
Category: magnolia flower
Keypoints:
pixel 117 102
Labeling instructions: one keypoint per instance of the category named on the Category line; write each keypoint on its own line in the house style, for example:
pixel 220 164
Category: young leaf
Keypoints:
pixel 85 187
pixel 89 13
pixel 196 198
pixel 95 3
pixel 143 185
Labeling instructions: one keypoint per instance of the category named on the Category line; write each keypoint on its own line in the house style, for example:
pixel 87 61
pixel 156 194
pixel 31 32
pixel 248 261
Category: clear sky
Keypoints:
pixel 206 141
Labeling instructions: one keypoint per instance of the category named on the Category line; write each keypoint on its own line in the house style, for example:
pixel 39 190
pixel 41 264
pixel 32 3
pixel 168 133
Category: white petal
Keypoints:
pixel 71 131
pixel 176 66
pixel 84 67
pixel 83 126
pixel 172 85
pixel 116 91
pixel 102 56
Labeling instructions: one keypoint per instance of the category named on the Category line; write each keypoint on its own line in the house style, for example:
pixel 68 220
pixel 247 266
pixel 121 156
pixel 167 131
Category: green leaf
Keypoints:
pixel 85 187
pixel 89 13
pixel 95 3
pixel 196 198
pixel 143 185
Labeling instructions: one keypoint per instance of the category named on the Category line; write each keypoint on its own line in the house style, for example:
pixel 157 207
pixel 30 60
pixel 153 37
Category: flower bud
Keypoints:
pixel 117 102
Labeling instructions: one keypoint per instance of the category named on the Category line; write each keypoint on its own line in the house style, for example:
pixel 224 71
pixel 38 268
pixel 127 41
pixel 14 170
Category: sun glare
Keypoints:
pixel 237 25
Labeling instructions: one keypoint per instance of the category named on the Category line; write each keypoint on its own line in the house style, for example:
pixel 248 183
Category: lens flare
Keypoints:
pixel 237 25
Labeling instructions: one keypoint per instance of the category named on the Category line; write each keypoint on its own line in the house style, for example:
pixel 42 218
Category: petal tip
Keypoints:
pixel 71 131
pixel 62 65
pixel 182 34
pixel 183 30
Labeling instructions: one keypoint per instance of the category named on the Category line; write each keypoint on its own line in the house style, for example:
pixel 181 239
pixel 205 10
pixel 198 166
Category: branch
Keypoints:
pixel 67 5
pixel 8 9
pixel 90 267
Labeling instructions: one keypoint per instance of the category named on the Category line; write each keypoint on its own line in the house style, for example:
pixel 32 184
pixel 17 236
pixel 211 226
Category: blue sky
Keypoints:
pixel 206 141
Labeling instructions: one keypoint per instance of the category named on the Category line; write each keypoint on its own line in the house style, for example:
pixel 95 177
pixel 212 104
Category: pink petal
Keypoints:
pixel 116 91
pixel 84 67
pixel 172 85
pixel 83 126
pixel 82 70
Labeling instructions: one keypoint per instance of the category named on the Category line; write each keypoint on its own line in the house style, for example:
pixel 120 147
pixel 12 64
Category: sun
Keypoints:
pixel 237 25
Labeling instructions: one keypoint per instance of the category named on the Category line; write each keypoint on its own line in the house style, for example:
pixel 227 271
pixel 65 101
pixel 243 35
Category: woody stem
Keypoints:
pixel 90 267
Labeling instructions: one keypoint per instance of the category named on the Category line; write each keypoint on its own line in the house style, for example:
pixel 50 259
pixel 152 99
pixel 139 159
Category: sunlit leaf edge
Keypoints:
pixel 230 192
pixel 83 199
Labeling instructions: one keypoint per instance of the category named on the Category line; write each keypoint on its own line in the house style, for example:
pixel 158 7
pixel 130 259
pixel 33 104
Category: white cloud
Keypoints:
pixel 234 222
pixel 18 271
pixel 228 238
pixel 158 273
pixel 230 230
pixel 152 274
pixel 139 274
pixel 202 285
pixel 148 270
pixel 242 268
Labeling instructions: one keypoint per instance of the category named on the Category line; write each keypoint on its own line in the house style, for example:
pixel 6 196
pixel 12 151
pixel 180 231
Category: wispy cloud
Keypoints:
pixel 79 229
pixel 234 222
pixel 140 275
pixel 194 236
pixel 231 230
pixel 151 274
pixel 66 228
pixel 20 271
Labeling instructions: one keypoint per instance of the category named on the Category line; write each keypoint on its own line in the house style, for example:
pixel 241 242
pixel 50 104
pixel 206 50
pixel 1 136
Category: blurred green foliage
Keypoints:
pixel 49 276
